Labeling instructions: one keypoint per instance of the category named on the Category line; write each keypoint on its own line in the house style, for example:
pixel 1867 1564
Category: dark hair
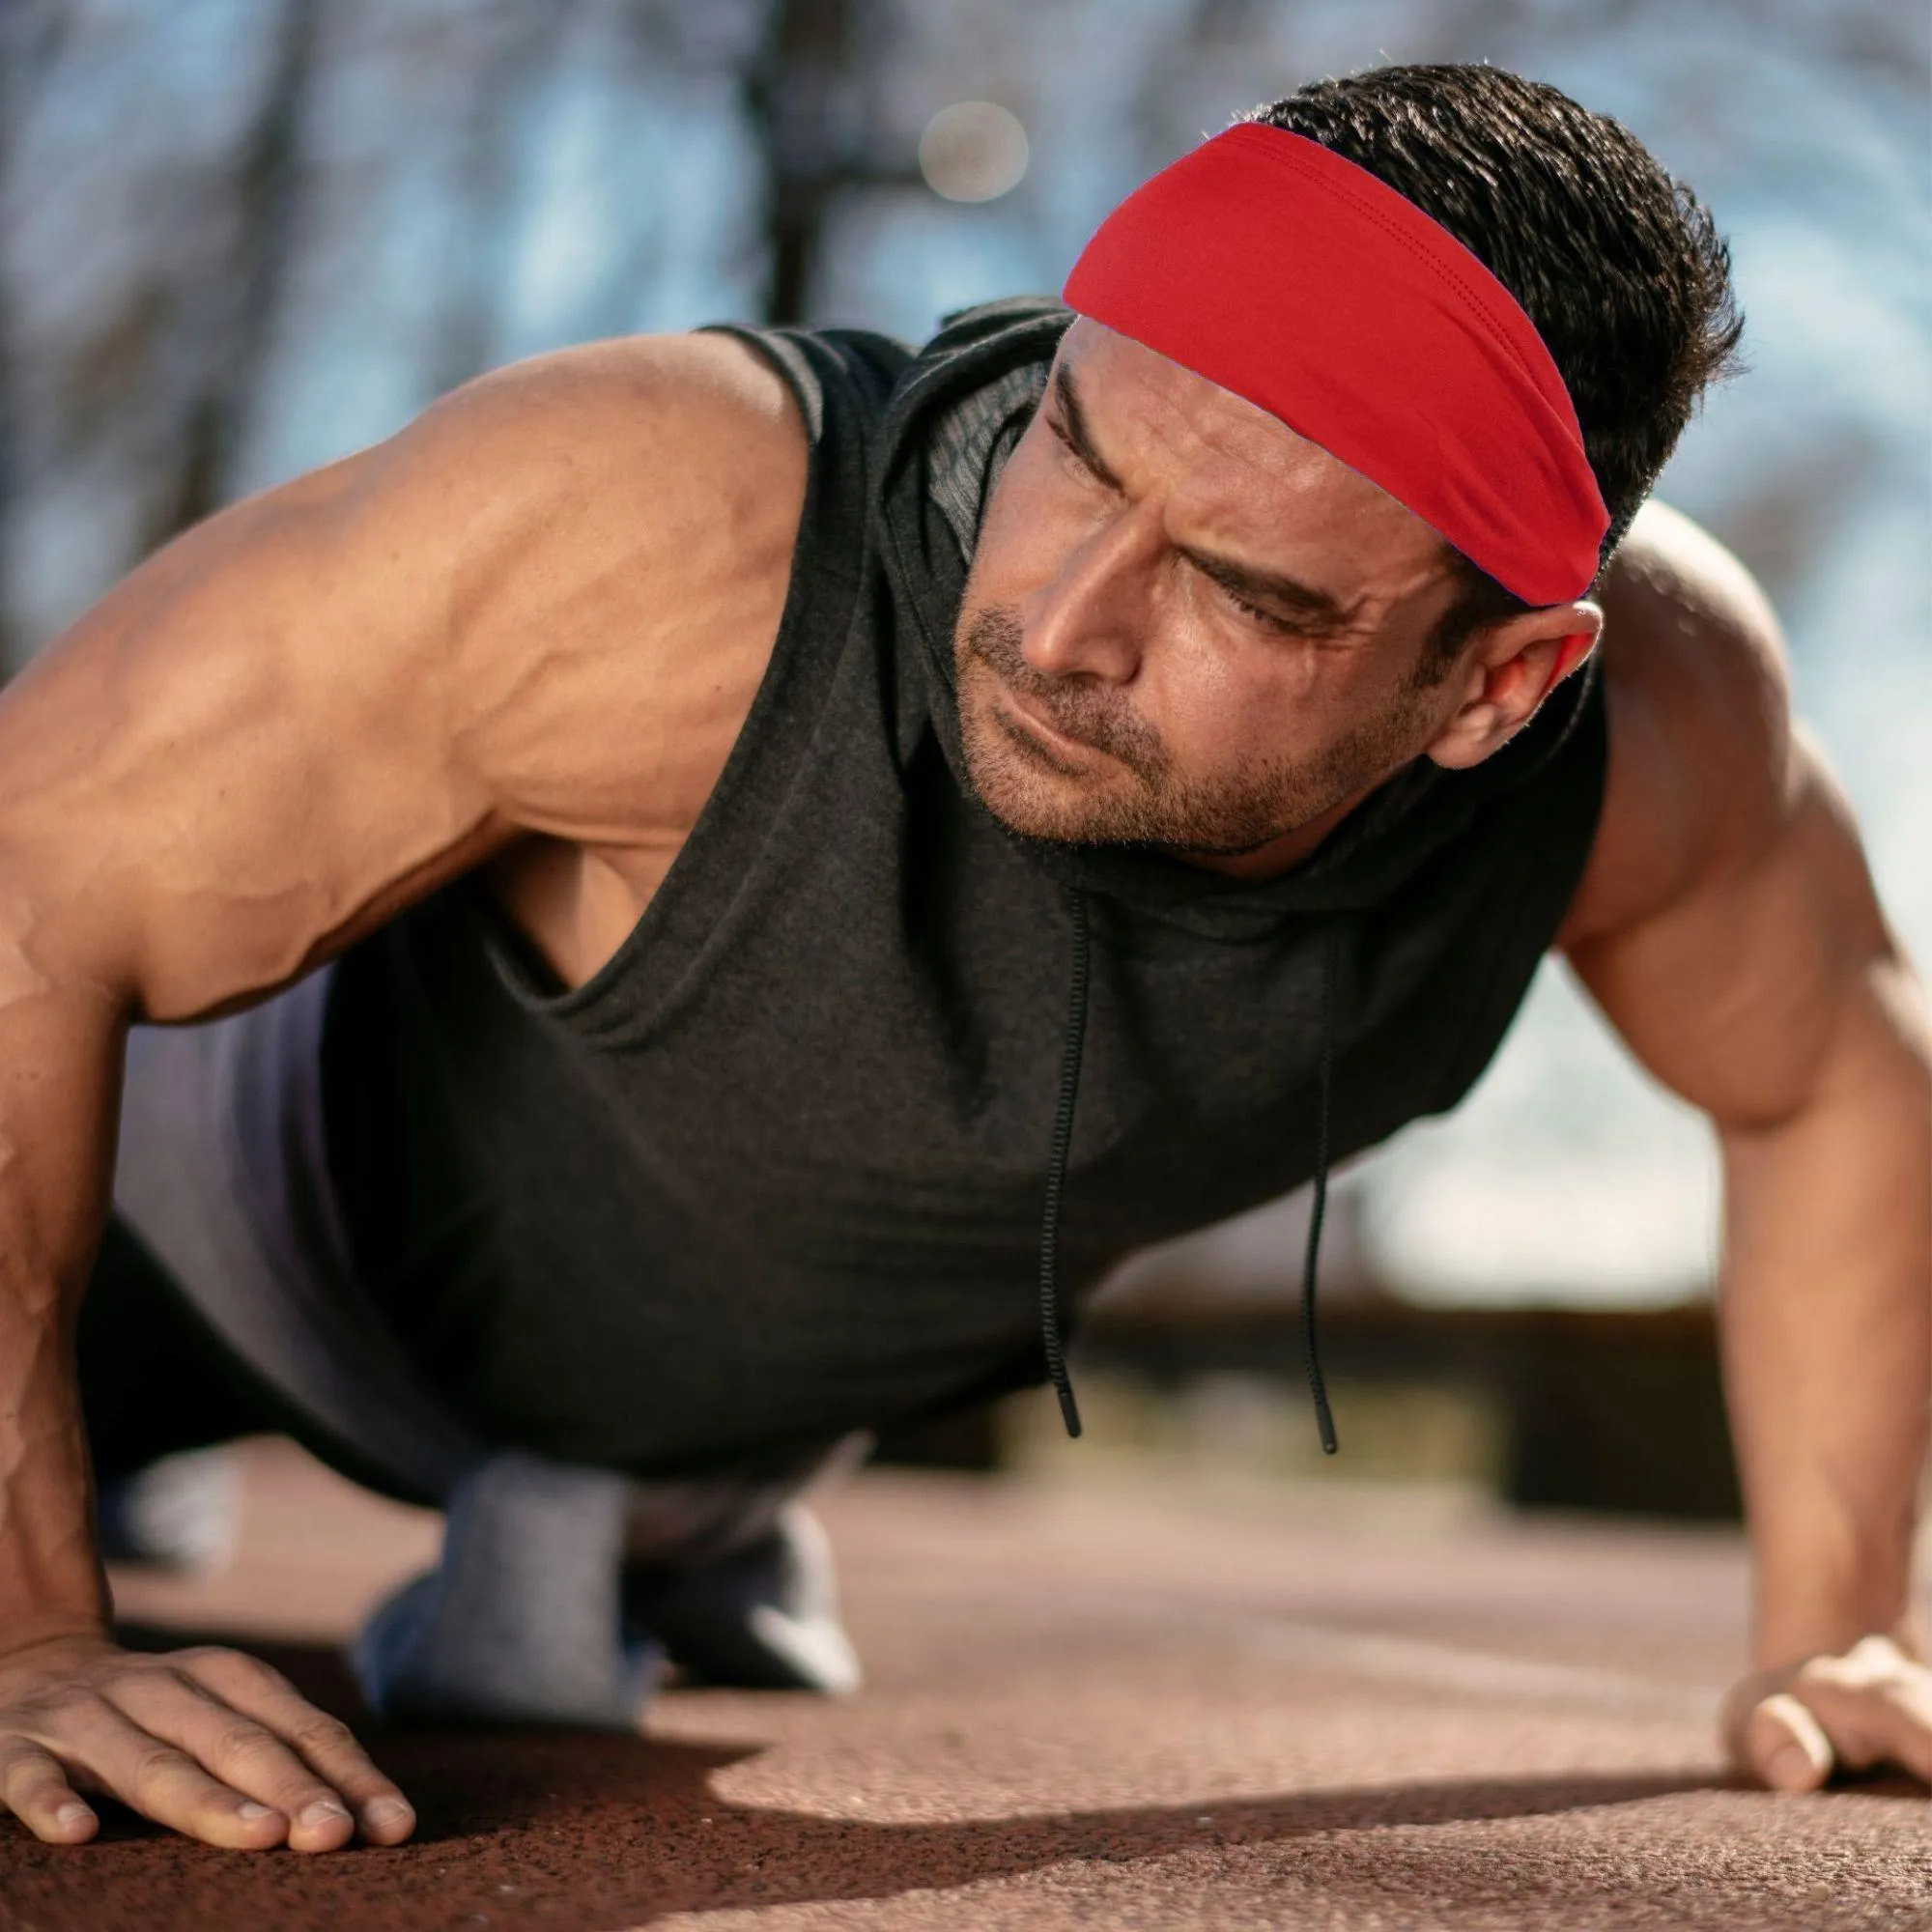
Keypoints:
pixel 1617 262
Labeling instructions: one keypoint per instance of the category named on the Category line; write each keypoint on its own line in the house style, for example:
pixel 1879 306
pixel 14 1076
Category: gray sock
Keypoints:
pixel 519 1622
pixel 539 1613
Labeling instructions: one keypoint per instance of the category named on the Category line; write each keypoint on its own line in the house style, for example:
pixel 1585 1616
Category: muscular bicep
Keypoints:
pixel 326 700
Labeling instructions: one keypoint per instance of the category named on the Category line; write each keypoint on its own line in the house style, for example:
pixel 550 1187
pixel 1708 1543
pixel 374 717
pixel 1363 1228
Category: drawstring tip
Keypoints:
pixel 1068 1412
pixel 1311 1266
pixel 1052 1338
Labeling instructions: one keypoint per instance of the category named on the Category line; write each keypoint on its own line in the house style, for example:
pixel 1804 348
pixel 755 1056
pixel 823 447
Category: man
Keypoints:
pixel 746 925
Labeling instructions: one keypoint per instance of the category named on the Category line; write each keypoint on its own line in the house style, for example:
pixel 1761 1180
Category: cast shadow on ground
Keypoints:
pixel 583 1831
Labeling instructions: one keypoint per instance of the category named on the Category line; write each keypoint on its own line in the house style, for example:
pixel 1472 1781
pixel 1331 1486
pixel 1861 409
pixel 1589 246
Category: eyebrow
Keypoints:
pixel 1301 603
pixel 1075 432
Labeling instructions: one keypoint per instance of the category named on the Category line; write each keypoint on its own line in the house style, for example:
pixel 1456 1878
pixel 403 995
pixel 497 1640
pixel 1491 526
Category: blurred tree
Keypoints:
pixel 800 92
pixel 812 93
pixel 146 216
pixel 511 44
pixel 263 237
pixel 29 37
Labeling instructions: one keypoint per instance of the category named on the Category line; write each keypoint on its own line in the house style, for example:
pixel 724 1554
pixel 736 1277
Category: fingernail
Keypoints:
pixel 1789 1765
pixel 72 1814
pixel 324 1811
pixel 381 1811
pixel 250 1811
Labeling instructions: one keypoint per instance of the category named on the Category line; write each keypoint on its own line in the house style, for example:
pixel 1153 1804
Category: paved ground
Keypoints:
pixel 1108 1707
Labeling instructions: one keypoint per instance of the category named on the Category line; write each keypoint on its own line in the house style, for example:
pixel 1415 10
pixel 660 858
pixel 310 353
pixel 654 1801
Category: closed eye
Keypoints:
pixel 1261 616
pixel 1269 620
pixel 1322 619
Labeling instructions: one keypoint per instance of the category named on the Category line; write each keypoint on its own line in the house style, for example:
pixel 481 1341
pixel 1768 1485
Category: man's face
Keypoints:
pixel 1186 626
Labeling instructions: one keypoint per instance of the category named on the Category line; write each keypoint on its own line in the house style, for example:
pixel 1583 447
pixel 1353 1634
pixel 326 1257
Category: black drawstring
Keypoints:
pixel 1325 1421
pixel 1075 1040
pixel 1056 1170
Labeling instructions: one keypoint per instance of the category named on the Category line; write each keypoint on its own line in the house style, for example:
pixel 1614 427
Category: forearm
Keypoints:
pixel 60 1061
pixel 1826 1308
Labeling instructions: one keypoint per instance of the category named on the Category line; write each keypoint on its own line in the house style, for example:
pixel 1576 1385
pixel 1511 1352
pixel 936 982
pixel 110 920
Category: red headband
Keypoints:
pixel 1298 280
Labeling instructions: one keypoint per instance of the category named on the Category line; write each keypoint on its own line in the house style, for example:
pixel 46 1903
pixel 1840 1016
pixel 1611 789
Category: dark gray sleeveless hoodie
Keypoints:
pixel 777 1170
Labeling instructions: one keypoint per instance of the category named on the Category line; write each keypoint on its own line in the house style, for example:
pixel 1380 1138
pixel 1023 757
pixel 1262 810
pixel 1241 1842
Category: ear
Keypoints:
pixel 1515 666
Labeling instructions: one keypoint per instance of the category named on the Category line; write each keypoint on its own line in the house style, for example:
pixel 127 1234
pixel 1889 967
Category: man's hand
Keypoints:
pixel 1790 1729
pixel 215 1743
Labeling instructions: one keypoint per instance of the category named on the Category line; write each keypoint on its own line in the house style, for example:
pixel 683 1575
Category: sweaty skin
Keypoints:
pixel 523 636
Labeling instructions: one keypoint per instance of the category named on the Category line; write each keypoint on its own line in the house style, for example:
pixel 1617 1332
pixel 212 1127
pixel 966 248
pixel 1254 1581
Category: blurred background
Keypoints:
pixel 239 237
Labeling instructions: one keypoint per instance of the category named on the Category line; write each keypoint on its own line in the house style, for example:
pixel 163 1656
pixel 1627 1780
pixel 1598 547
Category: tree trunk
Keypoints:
pixel 798 90
pixel 267 192
pixel 30 35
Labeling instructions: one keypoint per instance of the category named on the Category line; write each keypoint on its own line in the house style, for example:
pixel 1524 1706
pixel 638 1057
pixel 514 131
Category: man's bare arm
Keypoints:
pixel 1729 928
pixel 528 627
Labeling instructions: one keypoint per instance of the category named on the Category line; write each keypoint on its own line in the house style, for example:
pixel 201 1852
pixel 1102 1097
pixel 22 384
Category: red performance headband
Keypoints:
pixel 1301 282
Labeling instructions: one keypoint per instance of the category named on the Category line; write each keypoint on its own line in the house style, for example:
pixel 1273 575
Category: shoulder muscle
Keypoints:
pixel 1703 764
pixel 525 611
pixel 616 588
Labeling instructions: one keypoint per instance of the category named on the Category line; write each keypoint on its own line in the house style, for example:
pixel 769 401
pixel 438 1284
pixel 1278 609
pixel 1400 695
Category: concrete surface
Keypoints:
pixel 1106 1706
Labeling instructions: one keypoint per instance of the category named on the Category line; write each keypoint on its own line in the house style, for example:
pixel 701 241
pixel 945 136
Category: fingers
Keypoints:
pixel 87 1732
pixel 1784 1744
pixel 1871 1705
pixel 33 1787
pixel 240 1755
pixel 1875 1708
pixel 324 1744
pixel 210 1743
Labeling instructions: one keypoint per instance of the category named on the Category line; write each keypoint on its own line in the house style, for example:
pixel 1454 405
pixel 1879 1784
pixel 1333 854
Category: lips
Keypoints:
pixel 1049 735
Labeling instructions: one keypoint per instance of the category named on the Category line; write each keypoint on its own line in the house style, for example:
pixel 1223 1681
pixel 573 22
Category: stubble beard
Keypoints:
pixel 1142 799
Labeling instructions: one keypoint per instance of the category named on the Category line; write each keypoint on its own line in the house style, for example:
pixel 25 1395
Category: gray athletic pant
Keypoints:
pixel 561 1589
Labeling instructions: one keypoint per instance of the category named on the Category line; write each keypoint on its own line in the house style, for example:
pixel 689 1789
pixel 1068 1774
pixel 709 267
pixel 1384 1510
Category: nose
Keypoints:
pixel 1091 619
